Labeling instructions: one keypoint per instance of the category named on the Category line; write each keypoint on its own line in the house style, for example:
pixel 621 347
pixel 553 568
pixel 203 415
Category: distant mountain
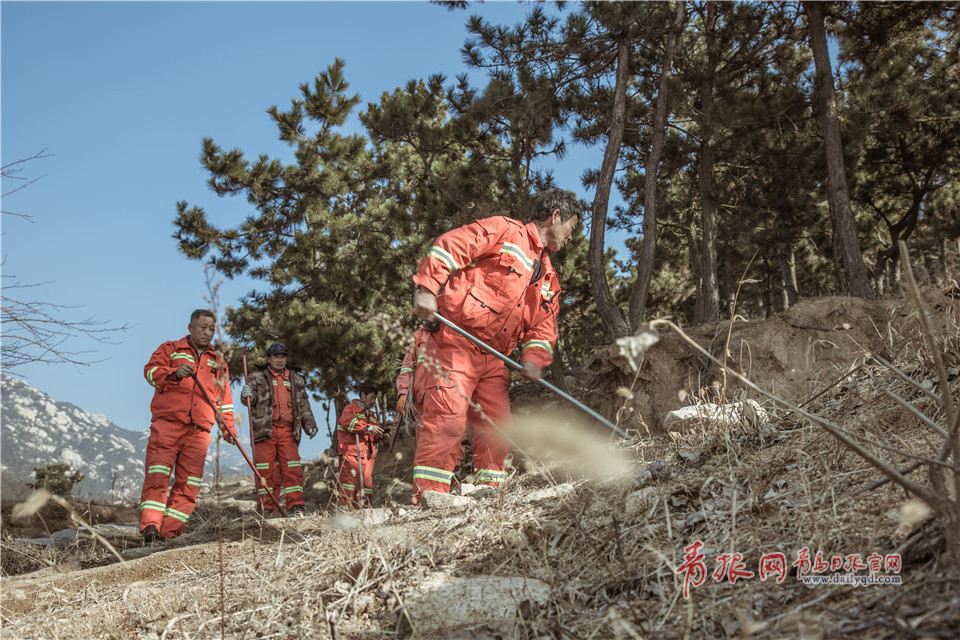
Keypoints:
pixel 36 431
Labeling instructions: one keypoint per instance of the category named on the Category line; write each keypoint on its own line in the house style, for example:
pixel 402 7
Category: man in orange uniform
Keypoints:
pixel 279 410
pixel 358 432
pixel 181 424
pixel 493 278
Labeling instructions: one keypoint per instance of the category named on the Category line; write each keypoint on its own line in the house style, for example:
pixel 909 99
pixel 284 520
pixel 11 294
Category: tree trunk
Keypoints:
pixel 903 228
pixel 693 244
pixel 648 253
pixel 709 303
pixel 610 314
pixel 729 283
pixel 788 273
pixel 557 368
pixel 771 288
pixel 942 255
pixel 855 279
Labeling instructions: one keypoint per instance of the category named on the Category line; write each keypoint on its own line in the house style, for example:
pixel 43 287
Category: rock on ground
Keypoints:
pixel 437 500
pixel 718 415
pixel 444 602
pixel 558 491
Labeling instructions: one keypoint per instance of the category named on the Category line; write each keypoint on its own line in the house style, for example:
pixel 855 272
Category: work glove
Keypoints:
pixel 311 431
pixel 531 371
pixel 400 400
pixel 183 371
pixel 246 392
pixel 228 433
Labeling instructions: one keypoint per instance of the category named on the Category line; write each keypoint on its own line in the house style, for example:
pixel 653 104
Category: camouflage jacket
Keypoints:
pixel 261 417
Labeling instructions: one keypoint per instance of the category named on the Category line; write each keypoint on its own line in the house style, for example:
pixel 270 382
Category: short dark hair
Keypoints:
pixel 552 199
pixel 201 313
pixel 366 388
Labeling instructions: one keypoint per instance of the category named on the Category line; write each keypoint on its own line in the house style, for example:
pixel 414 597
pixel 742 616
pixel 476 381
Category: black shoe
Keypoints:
pixel 298 509
pixel 150 534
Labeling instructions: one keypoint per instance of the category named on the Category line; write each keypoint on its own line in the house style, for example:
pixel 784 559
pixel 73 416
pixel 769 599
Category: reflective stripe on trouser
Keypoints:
pixel 446 414
pixel 489 477
pixel 282 459
pixel 348 495
pixel 175 448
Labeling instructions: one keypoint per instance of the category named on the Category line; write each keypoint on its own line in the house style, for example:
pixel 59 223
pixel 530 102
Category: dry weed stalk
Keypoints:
pixel 733 319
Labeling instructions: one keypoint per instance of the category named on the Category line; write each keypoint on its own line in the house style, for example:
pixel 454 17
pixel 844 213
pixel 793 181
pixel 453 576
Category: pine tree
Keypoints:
pixel 900 79
pixel 323 240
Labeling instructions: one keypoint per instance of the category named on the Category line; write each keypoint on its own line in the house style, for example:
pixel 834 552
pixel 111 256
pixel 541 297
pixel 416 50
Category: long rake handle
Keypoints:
pixel 363 494
pixel 239 446
pixel 515 365
pixel 253 450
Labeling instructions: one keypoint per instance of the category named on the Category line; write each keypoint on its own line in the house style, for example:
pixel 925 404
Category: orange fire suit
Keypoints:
pixel 493 278
pixel 180 432
pixel 278 456
pixel 356 448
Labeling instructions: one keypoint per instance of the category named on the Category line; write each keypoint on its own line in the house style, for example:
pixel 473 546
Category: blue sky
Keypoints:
pixel 122 94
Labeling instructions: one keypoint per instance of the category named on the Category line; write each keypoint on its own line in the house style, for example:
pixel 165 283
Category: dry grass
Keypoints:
pixel 608 548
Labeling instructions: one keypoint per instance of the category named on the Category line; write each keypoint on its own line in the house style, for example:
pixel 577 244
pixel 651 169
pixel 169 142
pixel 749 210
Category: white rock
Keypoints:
pixel 444 602
pixel 558 491
pixel 718 415
pixel 467 488
pixel 437 500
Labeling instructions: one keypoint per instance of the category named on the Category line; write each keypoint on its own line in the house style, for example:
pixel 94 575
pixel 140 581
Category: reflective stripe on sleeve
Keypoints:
pixel 445 258
pixel 541 344
pixel 546 292
pixel 150 376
